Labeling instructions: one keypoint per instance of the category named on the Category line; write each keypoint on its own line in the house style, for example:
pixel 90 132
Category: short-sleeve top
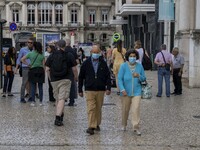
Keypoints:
pixel 38 61
pixel 118 56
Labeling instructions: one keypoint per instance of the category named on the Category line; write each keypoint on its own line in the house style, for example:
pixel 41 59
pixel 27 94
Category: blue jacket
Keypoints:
pixel 126 81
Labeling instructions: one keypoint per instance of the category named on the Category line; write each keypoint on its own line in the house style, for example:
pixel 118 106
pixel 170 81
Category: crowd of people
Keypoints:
pixel 60 65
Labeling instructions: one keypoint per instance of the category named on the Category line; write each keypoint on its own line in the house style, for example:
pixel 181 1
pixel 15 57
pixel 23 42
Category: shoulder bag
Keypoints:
pixel 167 66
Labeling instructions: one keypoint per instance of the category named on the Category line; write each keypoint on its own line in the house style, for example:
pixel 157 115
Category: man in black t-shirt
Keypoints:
pixel 61 84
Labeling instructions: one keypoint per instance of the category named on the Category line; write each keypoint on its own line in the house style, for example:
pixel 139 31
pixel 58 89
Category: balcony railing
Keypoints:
pixel 91 24
pixel 74 24
pixel 138 1
pixel 104 24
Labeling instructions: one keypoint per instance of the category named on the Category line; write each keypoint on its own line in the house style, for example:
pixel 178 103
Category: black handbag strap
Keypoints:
pixel 34 59
pixel 163 58
pixel 122 56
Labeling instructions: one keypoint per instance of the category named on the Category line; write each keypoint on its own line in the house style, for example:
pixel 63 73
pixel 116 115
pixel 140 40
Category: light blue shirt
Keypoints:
pixel 23 52
pixel 178 61
pixel 127 82
pixel 95 65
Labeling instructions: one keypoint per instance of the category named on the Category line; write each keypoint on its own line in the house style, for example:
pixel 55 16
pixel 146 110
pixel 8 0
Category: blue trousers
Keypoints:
pixel 33 87
pixel 163 73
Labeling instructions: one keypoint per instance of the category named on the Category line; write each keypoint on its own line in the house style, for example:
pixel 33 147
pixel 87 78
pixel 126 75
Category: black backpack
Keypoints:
pixel 59 64
pixel 146 62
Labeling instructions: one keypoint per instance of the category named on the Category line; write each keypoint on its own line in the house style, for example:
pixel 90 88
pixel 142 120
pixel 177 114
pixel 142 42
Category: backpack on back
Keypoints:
pixel 146 62
pixel 59 64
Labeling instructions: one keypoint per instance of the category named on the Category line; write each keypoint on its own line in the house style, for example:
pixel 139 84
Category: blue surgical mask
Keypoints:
pixel 132 60
pixel 95 56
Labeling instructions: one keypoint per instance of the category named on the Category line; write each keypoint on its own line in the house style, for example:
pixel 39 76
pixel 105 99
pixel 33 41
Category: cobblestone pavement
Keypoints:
pixel 166 123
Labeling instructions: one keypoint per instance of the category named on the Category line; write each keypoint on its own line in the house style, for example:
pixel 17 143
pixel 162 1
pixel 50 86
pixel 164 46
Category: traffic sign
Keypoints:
pixel 13 26
pixel 116 37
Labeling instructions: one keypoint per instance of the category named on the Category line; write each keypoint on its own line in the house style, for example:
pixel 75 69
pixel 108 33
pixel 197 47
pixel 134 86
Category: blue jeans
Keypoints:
pixel 33 87
pixel 8 81
pixel 162 72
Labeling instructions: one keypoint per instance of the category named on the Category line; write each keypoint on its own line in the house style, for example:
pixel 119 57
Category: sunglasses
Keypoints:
pixel 30 42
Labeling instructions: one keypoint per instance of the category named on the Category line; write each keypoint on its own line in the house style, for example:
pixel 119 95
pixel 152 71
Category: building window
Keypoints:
pixel 104 16
pixel 91 37
pixel 15 15
pixel 74 16
pixel 92 16
pixel 59 14
pixel 31 14
pixel 104 37
pixel 45 13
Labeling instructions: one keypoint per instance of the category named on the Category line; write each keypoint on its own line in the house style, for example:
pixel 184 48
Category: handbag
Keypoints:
pixel 146 91
pixel 32 71
pixel 167 66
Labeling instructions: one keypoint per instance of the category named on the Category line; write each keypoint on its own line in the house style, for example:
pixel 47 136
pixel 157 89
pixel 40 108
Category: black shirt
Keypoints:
pixel 72 51
pixel 71 62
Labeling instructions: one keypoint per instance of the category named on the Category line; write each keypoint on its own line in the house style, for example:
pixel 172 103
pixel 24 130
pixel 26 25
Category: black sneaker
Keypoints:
pixel 62 116
pixel 4 95
pixel 97 129
pixel 58 123
pixel 10 95
pixel 90 131
pixel 22 100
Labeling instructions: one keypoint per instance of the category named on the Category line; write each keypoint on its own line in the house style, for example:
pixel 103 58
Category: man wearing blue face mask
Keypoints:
pixel 95 76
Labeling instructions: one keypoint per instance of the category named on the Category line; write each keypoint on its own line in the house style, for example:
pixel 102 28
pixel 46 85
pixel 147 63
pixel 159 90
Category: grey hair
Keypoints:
pixel 175 49
pixel 163 46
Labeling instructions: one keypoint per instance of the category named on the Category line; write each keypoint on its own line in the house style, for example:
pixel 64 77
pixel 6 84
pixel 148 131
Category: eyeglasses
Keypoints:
pixel 30 42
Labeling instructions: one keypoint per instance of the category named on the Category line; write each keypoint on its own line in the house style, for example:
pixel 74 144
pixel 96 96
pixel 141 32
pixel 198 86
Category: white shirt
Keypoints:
pixel 141 54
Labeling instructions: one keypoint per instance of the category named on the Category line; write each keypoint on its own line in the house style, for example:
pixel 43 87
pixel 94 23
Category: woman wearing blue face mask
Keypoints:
pixel 130 76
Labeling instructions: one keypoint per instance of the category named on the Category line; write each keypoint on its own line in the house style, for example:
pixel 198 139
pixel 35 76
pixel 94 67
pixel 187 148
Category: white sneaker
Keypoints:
pixel 123 128
pixel 32 104
pixel 41 104
pixel 137 131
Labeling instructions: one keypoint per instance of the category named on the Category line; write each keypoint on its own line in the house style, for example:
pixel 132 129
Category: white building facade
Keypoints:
pixel 80 20
pixel 187 37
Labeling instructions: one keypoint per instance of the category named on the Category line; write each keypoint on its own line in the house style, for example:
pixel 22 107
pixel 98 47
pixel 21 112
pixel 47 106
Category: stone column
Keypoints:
pixel 65 14
pixel 53 14
pixel 116 6
pixel 36 13
pixel 8 16
pixel 197 26
pixel 184 14
pixel 24 14
pixel 82 15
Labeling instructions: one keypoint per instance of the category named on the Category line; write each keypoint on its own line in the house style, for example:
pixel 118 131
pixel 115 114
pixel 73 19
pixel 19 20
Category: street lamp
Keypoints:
pixel 2 21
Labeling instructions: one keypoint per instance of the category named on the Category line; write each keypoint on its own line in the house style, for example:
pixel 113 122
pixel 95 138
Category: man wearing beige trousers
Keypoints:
pixel 95 76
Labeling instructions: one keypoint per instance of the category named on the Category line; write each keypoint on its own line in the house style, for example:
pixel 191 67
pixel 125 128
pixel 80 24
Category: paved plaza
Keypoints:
pixel 166 123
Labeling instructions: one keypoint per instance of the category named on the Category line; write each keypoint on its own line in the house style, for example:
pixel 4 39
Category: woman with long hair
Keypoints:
pixel 9 63
pixel 37 71
pixel 140 50
pixel 118 57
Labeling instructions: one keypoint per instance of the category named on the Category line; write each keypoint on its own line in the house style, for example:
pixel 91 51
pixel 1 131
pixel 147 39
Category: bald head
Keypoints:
pixel 95 49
